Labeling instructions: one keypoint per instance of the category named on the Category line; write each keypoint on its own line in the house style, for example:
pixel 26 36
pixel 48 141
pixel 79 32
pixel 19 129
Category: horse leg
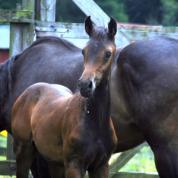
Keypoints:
pixel 56 170
pixel 166 159
pixel 101 172
pixel 73 170
pixel 39 167
pixel 25 153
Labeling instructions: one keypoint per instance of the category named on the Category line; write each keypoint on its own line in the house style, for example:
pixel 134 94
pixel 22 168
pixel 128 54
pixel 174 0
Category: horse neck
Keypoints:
pixel 4 93
pixel 98 106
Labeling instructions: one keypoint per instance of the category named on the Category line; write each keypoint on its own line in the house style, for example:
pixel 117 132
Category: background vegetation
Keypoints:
pixel 163 12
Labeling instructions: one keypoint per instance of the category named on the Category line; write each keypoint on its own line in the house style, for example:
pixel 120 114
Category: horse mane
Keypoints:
pixel 99 33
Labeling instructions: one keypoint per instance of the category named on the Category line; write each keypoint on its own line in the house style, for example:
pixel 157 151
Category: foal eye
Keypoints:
pixel 107 54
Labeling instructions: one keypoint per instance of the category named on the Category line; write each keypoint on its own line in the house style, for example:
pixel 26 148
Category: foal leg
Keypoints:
pixel 39 167
pixel 74 170
pixel 25 153
pixel 56 169
pixel 101 172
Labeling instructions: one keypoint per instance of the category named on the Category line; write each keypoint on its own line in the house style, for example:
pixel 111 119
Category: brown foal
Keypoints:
pixel 73 132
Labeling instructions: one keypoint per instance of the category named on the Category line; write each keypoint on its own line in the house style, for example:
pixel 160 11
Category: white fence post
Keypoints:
pixel 48 10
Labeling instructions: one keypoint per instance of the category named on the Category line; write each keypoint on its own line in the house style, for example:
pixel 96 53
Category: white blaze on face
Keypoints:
pixel 93 83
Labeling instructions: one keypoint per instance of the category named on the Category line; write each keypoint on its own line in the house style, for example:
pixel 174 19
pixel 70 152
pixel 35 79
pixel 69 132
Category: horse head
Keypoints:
pixel 98 56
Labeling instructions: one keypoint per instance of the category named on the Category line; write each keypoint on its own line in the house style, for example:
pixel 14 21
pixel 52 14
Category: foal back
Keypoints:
pixel 38 103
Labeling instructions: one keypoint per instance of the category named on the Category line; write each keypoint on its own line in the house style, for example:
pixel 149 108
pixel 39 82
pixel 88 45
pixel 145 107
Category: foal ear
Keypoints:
pixel 112 28
pixel 88 25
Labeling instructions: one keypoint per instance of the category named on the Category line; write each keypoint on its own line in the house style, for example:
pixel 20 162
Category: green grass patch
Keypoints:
pixel 143 161
pixel 3 142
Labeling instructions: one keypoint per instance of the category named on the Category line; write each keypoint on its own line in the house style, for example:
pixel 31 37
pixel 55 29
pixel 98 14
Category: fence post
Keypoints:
pixel 21 36
pixel 45 12
pixel 48 10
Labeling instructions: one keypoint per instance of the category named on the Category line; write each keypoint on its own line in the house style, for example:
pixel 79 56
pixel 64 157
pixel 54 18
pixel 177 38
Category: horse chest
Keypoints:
pixel 98 154
pixel 89 148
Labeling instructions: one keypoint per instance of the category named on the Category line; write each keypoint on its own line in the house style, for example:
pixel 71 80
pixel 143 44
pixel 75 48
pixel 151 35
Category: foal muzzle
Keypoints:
pixel 86 87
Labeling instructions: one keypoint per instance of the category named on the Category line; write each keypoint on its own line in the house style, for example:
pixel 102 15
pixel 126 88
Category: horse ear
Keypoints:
pixel 88 25
pixel 112 28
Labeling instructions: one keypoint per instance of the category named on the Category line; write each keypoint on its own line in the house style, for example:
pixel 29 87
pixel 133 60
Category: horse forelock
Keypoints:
pixel 100 33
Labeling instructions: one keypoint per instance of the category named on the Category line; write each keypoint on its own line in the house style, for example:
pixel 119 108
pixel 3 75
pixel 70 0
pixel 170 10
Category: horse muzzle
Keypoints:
pixel 86 87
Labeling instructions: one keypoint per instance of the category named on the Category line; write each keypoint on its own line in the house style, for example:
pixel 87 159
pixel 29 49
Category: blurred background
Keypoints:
pixel 152 12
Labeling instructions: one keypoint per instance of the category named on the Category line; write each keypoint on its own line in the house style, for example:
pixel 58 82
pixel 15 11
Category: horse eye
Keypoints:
pixel 107 54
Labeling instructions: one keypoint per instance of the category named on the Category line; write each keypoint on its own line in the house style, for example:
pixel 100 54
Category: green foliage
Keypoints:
pixel 3 141
pixel 67 11
pixel 143 11
pixel 143 161
pixel 136 11
pixel 9 4
pixel 114 8
pixel 170 12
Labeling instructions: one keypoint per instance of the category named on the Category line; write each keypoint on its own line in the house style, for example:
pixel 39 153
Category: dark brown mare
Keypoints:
pixel 144 91
pixel 73 131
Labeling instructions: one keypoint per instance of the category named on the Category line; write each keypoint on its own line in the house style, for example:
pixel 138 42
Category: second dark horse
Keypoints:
pixel 144 90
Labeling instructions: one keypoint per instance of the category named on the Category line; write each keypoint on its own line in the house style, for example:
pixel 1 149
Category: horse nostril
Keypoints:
pixel 85 87
pixel 90 84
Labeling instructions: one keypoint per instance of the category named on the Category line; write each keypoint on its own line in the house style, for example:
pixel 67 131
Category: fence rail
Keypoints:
pixel 23 16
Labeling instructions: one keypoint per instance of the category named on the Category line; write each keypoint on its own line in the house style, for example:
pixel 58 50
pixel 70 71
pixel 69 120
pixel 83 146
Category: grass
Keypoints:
pixel 143 161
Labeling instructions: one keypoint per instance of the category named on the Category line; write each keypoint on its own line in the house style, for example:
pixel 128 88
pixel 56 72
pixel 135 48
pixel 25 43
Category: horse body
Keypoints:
pixel 66 61
pixel 28 68
pixel 128 133
pixel 149 71
pixel 75 131
pixel 4 94
pixel 58 124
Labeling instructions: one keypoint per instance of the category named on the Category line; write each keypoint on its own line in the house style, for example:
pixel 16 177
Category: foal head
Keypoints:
pixel 98 55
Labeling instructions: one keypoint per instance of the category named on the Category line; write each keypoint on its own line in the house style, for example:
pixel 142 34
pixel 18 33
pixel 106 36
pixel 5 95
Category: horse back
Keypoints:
pixel 49 60
pixel 33 104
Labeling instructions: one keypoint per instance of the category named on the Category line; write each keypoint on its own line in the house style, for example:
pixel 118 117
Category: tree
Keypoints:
pixel 144 11
pixel 67 11
pixel 114 8
pixel 152 12
pixel 170 12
